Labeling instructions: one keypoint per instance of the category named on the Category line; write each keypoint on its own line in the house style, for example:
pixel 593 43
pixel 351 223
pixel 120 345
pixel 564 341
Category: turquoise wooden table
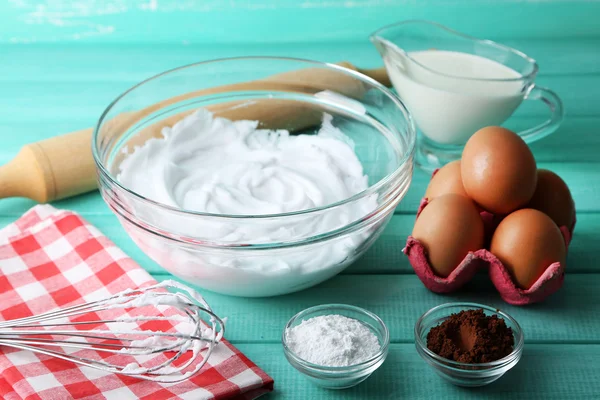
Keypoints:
pixel 63 62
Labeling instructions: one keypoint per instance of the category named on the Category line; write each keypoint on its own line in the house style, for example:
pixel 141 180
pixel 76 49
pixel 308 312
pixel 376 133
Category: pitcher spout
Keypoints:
pixel 379 43
pixel 393 40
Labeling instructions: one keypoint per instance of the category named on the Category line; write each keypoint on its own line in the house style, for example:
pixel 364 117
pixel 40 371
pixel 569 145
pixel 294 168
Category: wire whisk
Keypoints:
pixel 149 333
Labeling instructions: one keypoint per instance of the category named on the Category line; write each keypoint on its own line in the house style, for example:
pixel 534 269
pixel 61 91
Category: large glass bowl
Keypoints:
pixel 281 93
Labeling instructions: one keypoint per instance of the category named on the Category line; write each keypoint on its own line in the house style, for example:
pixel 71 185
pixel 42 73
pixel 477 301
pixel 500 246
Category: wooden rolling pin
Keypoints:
pixel 63 166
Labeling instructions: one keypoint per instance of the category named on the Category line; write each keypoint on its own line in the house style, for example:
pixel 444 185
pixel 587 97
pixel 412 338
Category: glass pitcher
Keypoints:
pixel 454 85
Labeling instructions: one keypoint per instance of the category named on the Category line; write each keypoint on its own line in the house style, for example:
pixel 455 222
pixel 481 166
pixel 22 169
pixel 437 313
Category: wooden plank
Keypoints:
pixel 582 178
pixel 385 256
pixel 576 140
pixel 572 313
pixel 52 102
pixel 558 56
pixel 131 63
pixel 61 62
pixel 117 21
pixel 545 372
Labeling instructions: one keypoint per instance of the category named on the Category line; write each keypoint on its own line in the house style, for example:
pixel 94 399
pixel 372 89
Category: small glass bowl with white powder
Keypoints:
pixel 336 346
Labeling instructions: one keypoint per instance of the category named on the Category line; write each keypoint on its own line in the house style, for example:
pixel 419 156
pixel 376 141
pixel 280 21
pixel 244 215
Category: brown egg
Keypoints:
pixel 449 227
pixel 552 197
pixel 446 180
pixel 527 242
pixel 498 170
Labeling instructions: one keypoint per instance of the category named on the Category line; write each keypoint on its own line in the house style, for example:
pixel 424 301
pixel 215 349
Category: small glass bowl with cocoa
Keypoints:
pixel 452 329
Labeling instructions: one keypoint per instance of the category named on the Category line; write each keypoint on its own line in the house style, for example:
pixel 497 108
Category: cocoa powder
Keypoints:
pixel 471 337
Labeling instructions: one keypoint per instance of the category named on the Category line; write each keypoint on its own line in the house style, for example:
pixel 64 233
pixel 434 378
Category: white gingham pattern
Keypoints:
pixel 52 258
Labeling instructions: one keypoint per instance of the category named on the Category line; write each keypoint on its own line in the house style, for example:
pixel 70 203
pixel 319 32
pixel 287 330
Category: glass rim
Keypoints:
pixel 375 36
pixel 358 224
pixel 330 369
pixel 372 189
pixel 517 332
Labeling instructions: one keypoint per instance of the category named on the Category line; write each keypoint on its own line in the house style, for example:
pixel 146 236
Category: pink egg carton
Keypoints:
pixel 550 281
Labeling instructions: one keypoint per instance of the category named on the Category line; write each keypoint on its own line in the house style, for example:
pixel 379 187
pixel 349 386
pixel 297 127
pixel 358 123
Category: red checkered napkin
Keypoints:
pixel 51 258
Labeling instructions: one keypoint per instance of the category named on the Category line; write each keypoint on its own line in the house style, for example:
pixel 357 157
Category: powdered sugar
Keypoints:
pixel 333 341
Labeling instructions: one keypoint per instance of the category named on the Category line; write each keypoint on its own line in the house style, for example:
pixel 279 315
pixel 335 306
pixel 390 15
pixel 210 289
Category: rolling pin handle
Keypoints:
pixel 379 74
pixel 51 169
pixel 63 166
pixel 22 177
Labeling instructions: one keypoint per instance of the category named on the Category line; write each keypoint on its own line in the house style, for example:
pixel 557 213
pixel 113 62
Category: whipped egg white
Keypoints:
pixel 214 165
pixel 210 164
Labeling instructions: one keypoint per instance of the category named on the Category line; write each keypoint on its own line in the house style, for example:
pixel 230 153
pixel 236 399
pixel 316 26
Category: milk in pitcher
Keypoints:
pixel 453 94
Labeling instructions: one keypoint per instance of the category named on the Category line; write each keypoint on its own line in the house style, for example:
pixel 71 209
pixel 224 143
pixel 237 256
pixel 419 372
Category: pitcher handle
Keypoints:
pixel 555 105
